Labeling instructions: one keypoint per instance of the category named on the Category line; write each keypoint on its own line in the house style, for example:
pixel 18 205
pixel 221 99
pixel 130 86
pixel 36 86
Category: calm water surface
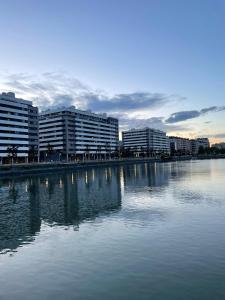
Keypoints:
pixel 145 231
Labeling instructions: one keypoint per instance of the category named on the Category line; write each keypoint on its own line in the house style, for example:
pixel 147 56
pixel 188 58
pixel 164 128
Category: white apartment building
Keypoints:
pixel 146 139
pixel 18 126
pixel 184 146
pixel 199 142
pixel 75 133
pixel 179 145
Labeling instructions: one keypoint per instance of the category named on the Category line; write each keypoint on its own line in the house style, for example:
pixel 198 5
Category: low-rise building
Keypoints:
pixel 198 143
pixel 180 146
pixel 146 139
pixel 219 145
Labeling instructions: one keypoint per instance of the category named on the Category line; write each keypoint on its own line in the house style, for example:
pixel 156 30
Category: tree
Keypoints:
pixel 12 152
pixel 201 150
pixel 87 151
pixel 99 150
pixel 142 151
pixel 50 150
pixel 116 153
pixel 32 153
pixel 107 149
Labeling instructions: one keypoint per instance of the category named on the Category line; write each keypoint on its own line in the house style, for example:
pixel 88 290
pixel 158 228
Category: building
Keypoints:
pixel 18 126
pixel 180 146
pixel 69 133
pixel 204 142
pixel 199 142
pixel 146 139
pixel 220 146
pixel 184 146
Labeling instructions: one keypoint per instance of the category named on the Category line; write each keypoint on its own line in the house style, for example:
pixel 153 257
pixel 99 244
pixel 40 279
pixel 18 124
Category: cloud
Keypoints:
pixel 46 90
pixel 57 89
pixel 183 116
pixel 155 122
pixel 126 102
pixel 52 89
pixel 208 109
pixel 191 114
pixel 216 135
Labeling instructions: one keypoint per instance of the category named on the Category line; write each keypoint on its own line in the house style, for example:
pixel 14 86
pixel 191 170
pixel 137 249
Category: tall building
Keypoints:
pixel 179 145
pixel 18 126
pixel 146 139
pixel 70 133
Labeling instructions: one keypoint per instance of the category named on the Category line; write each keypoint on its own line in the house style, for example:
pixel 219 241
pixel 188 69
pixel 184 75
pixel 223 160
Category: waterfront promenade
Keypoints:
pixel 49 167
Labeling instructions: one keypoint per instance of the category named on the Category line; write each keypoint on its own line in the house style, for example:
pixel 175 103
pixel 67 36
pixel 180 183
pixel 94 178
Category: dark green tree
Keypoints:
pixel 32 153
pixel 12 152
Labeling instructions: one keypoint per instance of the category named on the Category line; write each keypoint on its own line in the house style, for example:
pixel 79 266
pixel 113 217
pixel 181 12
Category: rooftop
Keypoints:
pixel 74 110
pixel 12 97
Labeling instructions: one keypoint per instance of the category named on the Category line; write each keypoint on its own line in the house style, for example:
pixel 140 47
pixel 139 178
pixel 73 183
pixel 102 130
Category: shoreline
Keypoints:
pixel 49 167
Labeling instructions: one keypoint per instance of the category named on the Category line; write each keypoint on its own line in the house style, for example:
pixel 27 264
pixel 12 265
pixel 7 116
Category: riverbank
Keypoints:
pixel 42 168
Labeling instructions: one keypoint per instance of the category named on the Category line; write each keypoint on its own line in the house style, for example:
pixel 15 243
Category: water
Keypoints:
pixel 103 234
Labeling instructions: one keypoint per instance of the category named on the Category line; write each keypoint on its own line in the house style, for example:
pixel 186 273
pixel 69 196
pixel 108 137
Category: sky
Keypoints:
pixel 156 63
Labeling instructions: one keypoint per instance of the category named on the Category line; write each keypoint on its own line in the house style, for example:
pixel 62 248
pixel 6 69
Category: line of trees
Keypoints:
pixel 101 152
pixel 210 151
pixel 13 152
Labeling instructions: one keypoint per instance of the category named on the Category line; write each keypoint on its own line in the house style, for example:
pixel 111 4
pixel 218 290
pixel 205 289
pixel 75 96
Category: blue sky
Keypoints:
pixel 154 63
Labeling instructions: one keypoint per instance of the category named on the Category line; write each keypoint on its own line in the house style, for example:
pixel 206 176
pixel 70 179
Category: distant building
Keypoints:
pixel 179 145
pixel 18 126
pixel 204 142
pixel 146 139
pixel 219 145
pixel 199 142
pixel 71 133
pixel 185 146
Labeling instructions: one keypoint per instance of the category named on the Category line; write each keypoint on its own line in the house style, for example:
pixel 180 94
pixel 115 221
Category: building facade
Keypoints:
pixel 146 139
pixel 18 126
pixel 71 133
pixel 180 146
pixel 220 146
pixel 196 144
pixel 184 146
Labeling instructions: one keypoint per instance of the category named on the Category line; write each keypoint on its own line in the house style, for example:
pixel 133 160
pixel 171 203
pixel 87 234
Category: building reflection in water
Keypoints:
pixel 70 198
pixel 19 212
pixel 60 199
pixel 146 175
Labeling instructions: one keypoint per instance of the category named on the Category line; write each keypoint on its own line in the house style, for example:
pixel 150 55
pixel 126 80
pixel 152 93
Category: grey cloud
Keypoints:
pixel 126 102
pixel 208 109
pixel 52 89
pixel 154 122
pixel 48 89
pixel 216 135
pixel 220 135
pixel 191 114
pixel 182 116
pixel 63 99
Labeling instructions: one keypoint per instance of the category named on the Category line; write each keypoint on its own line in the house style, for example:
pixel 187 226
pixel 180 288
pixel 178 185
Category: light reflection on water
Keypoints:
pixel 144 231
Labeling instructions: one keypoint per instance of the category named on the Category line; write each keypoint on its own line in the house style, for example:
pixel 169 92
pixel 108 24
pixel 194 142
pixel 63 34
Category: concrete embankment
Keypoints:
pixel 44 168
